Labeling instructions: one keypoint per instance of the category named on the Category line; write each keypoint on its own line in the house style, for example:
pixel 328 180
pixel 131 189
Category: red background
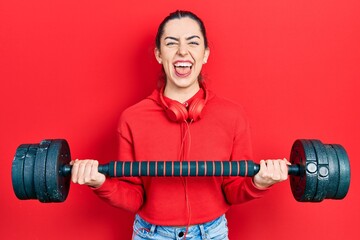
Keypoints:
pixel 69 68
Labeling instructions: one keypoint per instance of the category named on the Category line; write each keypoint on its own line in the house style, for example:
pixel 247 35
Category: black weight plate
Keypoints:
pixel 29 163
pixel 344 171
pixel 17 172
pixel 57 185
pixel 333 172
pixel 303 186
pixel 323 170
pixel 40 170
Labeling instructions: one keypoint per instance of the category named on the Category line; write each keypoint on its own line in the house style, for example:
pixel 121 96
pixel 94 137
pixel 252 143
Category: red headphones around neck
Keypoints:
pixel 177 112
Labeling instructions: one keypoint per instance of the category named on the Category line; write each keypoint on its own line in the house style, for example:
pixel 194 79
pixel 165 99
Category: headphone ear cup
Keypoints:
pixel 177 112
pixel 196 108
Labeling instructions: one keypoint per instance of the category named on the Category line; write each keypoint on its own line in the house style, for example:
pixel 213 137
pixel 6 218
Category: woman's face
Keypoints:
pixel 182 53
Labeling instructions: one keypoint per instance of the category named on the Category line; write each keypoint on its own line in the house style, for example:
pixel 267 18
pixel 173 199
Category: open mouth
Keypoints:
pixel 183 69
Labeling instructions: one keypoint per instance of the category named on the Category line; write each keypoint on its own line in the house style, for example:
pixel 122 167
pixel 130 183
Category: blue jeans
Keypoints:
pixel 213 230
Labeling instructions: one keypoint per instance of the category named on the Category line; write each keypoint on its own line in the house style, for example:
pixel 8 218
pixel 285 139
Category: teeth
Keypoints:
pixel 183 64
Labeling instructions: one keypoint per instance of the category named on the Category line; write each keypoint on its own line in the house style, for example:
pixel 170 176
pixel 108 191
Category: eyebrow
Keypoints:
pixel 177 39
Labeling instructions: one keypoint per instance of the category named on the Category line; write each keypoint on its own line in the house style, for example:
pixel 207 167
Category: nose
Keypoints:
pixel 182 50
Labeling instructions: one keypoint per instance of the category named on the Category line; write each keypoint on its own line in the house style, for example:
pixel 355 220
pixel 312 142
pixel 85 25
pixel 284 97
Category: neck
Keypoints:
pixel 181 94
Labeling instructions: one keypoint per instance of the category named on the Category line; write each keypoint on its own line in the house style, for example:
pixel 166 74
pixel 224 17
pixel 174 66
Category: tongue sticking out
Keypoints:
pixel 182 71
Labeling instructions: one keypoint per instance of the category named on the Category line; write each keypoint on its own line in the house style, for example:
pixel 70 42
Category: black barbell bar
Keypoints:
pixel 243 168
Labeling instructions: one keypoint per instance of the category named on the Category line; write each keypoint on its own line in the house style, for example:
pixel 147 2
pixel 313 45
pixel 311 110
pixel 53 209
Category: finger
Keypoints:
pixel 270 168
pixel 87 171
pixel 94 170
pixel 81 171
pixel 262 167
pixel 73 161
pixel 276 176
pixel 287 162
pixel 74 171
pixel 284 170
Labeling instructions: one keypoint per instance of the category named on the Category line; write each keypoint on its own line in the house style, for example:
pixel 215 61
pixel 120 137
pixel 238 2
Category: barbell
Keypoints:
pixel 318 171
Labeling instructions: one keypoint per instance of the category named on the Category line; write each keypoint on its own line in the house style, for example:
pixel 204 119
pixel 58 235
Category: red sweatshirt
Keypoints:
pixel 146 134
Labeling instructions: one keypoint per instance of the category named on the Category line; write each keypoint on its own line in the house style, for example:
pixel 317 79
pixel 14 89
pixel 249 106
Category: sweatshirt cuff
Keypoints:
pixel 254 189
pixel 105 187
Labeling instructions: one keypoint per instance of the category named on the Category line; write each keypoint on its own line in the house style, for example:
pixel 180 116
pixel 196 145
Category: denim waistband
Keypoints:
pixel 146 230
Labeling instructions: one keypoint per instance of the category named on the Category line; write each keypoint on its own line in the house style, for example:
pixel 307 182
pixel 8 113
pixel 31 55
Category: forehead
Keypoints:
pixel 182 27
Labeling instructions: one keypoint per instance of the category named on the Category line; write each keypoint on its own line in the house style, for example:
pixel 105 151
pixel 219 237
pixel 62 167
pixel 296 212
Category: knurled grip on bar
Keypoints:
pixel 180 168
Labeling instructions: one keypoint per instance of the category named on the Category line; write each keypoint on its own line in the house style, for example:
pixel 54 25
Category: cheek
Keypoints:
pixel 167 67
pixel 198 55
pixel 167 63
pixel 167 53
pixel 199 58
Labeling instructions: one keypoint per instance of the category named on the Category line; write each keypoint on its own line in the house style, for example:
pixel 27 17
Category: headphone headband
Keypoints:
pixel 177 112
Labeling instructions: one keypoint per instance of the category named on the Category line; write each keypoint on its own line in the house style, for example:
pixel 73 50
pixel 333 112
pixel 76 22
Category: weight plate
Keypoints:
pixel 17 171
pixel 323 170
pixel 29 171
pixel 57 185
pixel 303 186
pixel 40 170
pixel 333 172
pixel 344 171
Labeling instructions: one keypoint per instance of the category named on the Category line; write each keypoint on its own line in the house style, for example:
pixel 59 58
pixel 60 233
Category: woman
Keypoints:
pixel 183 120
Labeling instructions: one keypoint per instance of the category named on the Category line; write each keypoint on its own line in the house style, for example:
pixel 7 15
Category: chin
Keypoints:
pixel 182 83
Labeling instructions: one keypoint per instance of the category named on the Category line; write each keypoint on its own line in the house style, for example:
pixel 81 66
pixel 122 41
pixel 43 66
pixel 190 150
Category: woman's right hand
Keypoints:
pixel 86 172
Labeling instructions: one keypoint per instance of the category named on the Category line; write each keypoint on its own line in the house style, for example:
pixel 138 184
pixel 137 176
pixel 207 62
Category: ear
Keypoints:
pixel 157 55
pixel 206 55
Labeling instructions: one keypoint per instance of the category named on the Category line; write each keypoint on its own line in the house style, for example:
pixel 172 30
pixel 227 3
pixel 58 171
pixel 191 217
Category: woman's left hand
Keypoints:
pixel 271 172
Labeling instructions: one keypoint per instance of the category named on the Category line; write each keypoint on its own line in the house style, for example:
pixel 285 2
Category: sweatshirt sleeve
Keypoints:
pixel 241 189
pixel 125 192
